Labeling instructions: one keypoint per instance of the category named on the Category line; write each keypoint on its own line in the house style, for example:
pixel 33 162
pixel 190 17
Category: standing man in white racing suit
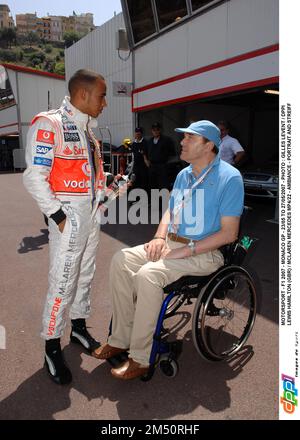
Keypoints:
pixel 65 176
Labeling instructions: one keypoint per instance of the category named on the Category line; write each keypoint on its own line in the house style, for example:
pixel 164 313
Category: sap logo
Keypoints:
pixel 42 149
pixel 75 184
pixel 2 338
pixel 288 400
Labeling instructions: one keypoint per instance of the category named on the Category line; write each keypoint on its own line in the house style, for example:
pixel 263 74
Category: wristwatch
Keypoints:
pixel 192 247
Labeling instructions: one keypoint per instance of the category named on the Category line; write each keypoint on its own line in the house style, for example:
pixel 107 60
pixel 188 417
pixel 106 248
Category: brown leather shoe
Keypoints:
pixel 106 351
pixel 129 370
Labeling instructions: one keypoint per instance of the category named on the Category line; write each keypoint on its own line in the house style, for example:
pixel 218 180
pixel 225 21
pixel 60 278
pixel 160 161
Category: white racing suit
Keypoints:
pixel 65 176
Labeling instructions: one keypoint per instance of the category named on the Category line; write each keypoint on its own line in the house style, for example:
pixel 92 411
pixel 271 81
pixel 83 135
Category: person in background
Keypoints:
pixel 230 149
pixel 160 150
pixel 124 150
pixel 65 176
pixel 140 161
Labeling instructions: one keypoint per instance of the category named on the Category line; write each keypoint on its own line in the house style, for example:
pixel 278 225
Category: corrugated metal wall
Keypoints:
pixel 97 51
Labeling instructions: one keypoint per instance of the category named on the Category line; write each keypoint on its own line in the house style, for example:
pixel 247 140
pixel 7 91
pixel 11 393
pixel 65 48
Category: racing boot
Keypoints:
pixel 55 363
pixel 80 335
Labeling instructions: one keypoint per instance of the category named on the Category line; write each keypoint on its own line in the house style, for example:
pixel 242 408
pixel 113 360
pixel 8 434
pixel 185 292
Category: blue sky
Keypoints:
pixel 103 10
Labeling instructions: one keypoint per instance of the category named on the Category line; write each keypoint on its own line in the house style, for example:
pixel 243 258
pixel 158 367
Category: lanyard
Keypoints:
pixel 180 206
pixel 198 181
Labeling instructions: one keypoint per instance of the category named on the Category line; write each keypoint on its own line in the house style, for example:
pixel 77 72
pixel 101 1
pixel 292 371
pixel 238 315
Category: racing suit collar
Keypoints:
pixel 82 119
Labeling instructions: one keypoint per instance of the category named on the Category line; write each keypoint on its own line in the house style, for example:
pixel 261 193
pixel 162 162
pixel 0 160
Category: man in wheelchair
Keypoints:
pixel 204 214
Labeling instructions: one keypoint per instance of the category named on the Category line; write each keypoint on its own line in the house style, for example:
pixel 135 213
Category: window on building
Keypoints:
pixel 196 4
pixel 6 94
pixel 168 15
pixel 142 20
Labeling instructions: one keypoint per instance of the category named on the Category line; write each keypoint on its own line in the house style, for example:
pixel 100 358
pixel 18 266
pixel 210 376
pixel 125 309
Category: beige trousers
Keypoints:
pixel 136 289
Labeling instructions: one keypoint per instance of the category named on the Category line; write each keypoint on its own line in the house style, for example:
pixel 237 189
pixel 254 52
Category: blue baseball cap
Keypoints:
pixel 203 128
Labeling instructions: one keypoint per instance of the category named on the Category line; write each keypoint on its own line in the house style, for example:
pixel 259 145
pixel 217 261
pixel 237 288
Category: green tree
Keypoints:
pixel 32 38
pixel 48 48
pixel 37 55
pixel 59 68
pixel 21 55
pixel 35 61
pixel 8 55
pixel 71 38
pixel 49 65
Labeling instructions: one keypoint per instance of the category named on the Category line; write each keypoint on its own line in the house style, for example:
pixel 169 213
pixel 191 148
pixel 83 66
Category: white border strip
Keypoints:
pixel 289 283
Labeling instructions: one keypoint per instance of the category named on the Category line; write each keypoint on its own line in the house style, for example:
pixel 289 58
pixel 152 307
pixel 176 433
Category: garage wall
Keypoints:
pixel 33 97
pixel 181 116
pixel 230 29
pixel 265 137
pixel 9 121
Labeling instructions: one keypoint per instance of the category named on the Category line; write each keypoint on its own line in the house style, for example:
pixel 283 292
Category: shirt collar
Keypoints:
pixel 212 165
pixel 82 119
pixel 225 137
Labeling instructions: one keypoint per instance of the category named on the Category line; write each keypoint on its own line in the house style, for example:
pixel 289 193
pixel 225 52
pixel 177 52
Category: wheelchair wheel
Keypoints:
pixel 169 367
pixel 224 315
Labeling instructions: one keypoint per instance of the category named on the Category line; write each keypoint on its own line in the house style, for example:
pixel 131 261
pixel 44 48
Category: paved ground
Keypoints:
pixel 246 388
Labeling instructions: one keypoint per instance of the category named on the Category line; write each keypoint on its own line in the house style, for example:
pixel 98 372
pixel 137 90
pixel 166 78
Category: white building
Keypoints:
pixel 190 60
pixel 24 92
pixel 56 28
pixel 204 59
pixel 97 51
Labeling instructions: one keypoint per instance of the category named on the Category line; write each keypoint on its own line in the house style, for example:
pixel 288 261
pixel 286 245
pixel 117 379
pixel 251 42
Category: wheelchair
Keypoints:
pixel 223 316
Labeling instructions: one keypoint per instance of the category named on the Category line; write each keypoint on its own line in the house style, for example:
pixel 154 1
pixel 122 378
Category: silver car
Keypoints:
pixel 261 183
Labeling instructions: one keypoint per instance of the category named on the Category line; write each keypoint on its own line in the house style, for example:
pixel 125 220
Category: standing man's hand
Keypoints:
pixel 61 225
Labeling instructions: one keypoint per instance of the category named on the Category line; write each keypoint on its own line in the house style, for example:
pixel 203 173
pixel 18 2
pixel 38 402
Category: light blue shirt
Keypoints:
pixel 220 194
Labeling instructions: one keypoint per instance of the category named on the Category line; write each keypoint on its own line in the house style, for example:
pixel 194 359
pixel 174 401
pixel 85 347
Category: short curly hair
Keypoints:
pixel 83 78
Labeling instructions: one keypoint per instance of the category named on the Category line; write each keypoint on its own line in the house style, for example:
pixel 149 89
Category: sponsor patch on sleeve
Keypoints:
pixel 42 149
pixel 45 136
pixel 42 161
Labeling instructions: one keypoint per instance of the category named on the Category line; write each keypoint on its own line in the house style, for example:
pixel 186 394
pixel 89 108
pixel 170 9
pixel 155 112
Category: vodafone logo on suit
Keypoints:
pixel 45 136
